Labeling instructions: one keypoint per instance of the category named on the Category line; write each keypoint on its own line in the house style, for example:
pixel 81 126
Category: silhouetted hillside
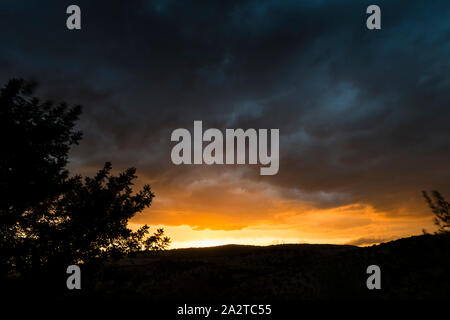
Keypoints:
pixel 415 267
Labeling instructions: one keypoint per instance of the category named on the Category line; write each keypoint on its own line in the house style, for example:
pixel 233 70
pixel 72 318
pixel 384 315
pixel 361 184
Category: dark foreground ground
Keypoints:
pixel 411 268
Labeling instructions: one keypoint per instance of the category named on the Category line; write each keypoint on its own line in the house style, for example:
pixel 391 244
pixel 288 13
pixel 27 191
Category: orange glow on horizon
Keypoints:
pixel 214 208
pixel 344 225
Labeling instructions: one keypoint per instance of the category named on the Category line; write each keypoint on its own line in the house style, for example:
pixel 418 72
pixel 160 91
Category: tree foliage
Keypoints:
pixel 48 217
pixel 440 208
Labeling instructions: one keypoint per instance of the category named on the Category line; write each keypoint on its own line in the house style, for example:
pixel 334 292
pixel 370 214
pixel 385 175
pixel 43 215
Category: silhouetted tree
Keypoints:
pixel 440 208
pixel 48 218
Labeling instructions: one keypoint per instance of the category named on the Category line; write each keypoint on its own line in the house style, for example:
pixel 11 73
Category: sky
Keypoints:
pixel 363 114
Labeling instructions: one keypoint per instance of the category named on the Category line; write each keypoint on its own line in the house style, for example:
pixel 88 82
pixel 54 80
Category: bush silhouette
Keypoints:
pixel 440 208
pixel 49 219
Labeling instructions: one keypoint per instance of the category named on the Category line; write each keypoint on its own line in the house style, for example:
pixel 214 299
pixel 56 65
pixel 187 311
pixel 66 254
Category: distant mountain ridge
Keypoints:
pixel 411 268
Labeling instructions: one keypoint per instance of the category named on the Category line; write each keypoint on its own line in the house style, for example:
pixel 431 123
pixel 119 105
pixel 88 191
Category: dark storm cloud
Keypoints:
pixel 363 115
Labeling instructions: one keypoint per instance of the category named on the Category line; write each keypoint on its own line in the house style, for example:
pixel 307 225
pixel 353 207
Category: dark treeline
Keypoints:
pixel 49 218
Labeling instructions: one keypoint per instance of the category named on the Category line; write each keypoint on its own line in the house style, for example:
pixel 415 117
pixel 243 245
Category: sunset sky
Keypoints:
pixel 363 115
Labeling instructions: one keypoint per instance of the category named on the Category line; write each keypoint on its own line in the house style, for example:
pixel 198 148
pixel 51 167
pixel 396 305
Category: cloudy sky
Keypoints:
pixel 363 115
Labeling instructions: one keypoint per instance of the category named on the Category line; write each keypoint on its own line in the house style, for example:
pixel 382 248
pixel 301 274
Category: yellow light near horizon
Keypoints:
pixel 204 243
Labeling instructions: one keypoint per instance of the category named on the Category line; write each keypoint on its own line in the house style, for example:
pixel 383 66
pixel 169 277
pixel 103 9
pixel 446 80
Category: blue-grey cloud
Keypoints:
pixel 362 114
